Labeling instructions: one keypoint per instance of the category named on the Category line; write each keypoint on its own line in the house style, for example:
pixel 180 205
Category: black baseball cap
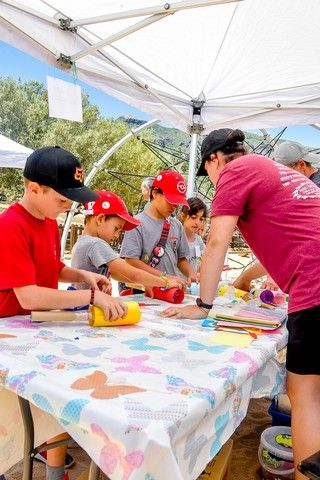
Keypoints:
pixel 211 144
pixel 60 170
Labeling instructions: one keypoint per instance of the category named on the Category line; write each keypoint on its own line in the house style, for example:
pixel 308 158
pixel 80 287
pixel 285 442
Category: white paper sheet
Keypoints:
pixel 64 99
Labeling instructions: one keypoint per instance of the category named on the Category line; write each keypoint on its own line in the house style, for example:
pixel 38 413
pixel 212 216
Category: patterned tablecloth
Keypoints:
pixel 152 401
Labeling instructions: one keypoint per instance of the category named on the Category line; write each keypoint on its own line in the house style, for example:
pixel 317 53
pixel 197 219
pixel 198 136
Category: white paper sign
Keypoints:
pixel 64 99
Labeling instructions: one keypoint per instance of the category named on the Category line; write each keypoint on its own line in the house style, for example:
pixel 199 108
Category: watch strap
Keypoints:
pixel 201 304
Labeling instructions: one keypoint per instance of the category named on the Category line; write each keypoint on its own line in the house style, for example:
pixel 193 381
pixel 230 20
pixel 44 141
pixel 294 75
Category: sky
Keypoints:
pixel 16 64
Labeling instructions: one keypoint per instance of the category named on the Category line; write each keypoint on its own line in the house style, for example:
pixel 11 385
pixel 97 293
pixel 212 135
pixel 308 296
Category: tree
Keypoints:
pixel 24 118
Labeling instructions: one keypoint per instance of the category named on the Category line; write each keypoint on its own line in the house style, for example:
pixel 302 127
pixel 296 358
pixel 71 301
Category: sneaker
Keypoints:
pixel 42 457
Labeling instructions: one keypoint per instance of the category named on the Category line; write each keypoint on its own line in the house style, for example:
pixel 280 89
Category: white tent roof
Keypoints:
pixel 248 64
pixel 12 154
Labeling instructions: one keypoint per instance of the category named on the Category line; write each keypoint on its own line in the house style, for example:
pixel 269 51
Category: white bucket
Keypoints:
pixel 275 453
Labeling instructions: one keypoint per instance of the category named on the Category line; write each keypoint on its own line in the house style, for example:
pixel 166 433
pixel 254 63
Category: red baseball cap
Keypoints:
pixel 173 186
pixel 109 203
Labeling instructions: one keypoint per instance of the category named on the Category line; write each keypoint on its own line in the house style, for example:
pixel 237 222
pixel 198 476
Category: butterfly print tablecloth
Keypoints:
pixel 152 401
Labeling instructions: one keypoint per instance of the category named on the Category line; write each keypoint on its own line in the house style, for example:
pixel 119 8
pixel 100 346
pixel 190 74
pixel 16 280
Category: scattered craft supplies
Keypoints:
pixel 251 315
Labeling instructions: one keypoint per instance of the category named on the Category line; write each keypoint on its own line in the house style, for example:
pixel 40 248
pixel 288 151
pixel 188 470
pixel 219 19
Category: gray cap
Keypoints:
pixel 290 152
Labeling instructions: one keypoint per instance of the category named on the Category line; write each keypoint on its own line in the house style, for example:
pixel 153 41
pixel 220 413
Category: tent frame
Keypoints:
pixel 96 167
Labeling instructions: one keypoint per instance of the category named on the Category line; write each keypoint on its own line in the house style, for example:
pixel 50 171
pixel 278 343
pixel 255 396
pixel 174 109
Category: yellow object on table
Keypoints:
pixel 97 319
pixel 232 339
pixel 223 289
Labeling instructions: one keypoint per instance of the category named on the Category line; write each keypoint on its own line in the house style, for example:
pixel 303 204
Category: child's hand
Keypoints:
pixel 148 293
pixel 112 308
pixel 193 278
pixel 105 287
pixel 242 284
pixel 177 282
pixel 97 281
pixel 270 284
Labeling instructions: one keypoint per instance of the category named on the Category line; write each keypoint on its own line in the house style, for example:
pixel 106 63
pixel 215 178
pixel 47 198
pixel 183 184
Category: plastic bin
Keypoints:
pixel 278 418
pixel 275 454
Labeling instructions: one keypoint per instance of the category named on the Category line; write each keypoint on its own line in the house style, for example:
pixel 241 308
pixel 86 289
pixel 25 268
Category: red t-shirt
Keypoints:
pixel 279 217
pixel 29 255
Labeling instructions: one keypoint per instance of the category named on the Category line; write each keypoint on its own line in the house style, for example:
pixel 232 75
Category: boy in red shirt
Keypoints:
pixel 30 251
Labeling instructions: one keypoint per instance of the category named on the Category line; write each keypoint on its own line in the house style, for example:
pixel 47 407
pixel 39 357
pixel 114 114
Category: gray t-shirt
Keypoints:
pixel 140 242
pixel 92 254
pixel 315 178
pixel 196 250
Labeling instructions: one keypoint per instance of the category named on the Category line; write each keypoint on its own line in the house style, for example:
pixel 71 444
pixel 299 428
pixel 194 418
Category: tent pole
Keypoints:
pixel 192 164
pixel 154 10
pixel 195 130
pixel 96 167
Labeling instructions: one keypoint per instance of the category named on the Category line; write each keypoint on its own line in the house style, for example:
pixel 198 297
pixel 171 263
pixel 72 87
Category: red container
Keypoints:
pixel 171 295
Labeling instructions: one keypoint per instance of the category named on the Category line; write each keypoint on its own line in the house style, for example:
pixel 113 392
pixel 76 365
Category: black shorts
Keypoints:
pixel 303 352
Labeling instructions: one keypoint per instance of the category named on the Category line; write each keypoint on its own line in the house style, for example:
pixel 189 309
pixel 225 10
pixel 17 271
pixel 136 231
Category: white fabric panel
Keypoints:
pixel 12 154
pixel 237 57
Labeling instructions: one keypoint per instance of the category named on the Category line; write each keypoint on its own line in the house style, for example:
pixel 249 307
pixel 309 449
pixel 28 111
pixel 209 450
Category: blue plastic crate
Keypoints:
pixel 278 418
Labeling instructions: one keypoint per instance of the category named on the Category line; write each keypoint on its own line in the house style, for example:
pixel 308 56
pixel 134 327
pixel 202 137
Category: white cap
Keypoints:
pixel 291 152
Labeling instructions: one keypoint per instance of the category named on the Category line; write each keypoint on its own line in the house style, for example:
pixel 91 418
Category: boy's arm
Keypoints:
pixel 33 297
pixel 183 251
pixel 124 272
pixel 135 262
pixel 186 269
pixel 75 275
pixel 243 282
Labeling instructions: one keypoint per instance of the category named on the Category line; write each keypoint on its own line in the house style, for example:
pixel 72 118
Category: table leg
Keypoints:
pixel 94 471
pixel 28 447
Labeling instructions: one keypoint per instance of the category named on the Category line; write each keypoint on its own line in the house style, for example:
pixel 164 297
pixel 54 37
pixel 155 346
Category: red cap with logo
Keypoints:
pixel 173 186
pixel 109 203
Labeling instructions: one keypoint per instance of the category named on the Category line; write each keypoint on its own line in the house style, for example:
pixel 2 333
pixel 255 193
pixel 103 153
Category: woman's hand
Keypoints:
pixel 189 311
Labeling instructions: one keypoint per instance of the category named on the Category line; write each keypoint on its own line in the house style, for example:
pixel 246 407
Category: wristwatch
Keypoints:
pixel 201 304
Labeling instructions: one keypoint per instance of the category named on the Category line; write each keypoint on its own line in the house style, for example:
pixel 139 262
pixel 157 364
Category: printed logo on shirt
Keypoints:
pixel 304 189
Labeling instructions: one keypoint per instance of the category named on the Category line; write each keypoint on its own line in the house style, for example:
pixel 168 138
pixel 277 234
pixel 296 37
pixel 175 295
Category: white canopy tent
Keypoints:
pixel 196 65
pixel 12 154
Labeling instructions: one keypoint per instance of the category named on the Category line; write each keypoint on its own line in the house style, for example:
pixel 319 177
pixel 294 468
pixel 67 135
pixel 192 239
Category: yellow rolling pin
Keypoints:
pixel 95 316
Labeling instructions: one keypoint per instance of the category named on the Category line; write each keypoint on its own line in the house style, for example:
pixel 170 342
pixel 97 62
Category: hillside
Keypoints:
pixel 172 138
